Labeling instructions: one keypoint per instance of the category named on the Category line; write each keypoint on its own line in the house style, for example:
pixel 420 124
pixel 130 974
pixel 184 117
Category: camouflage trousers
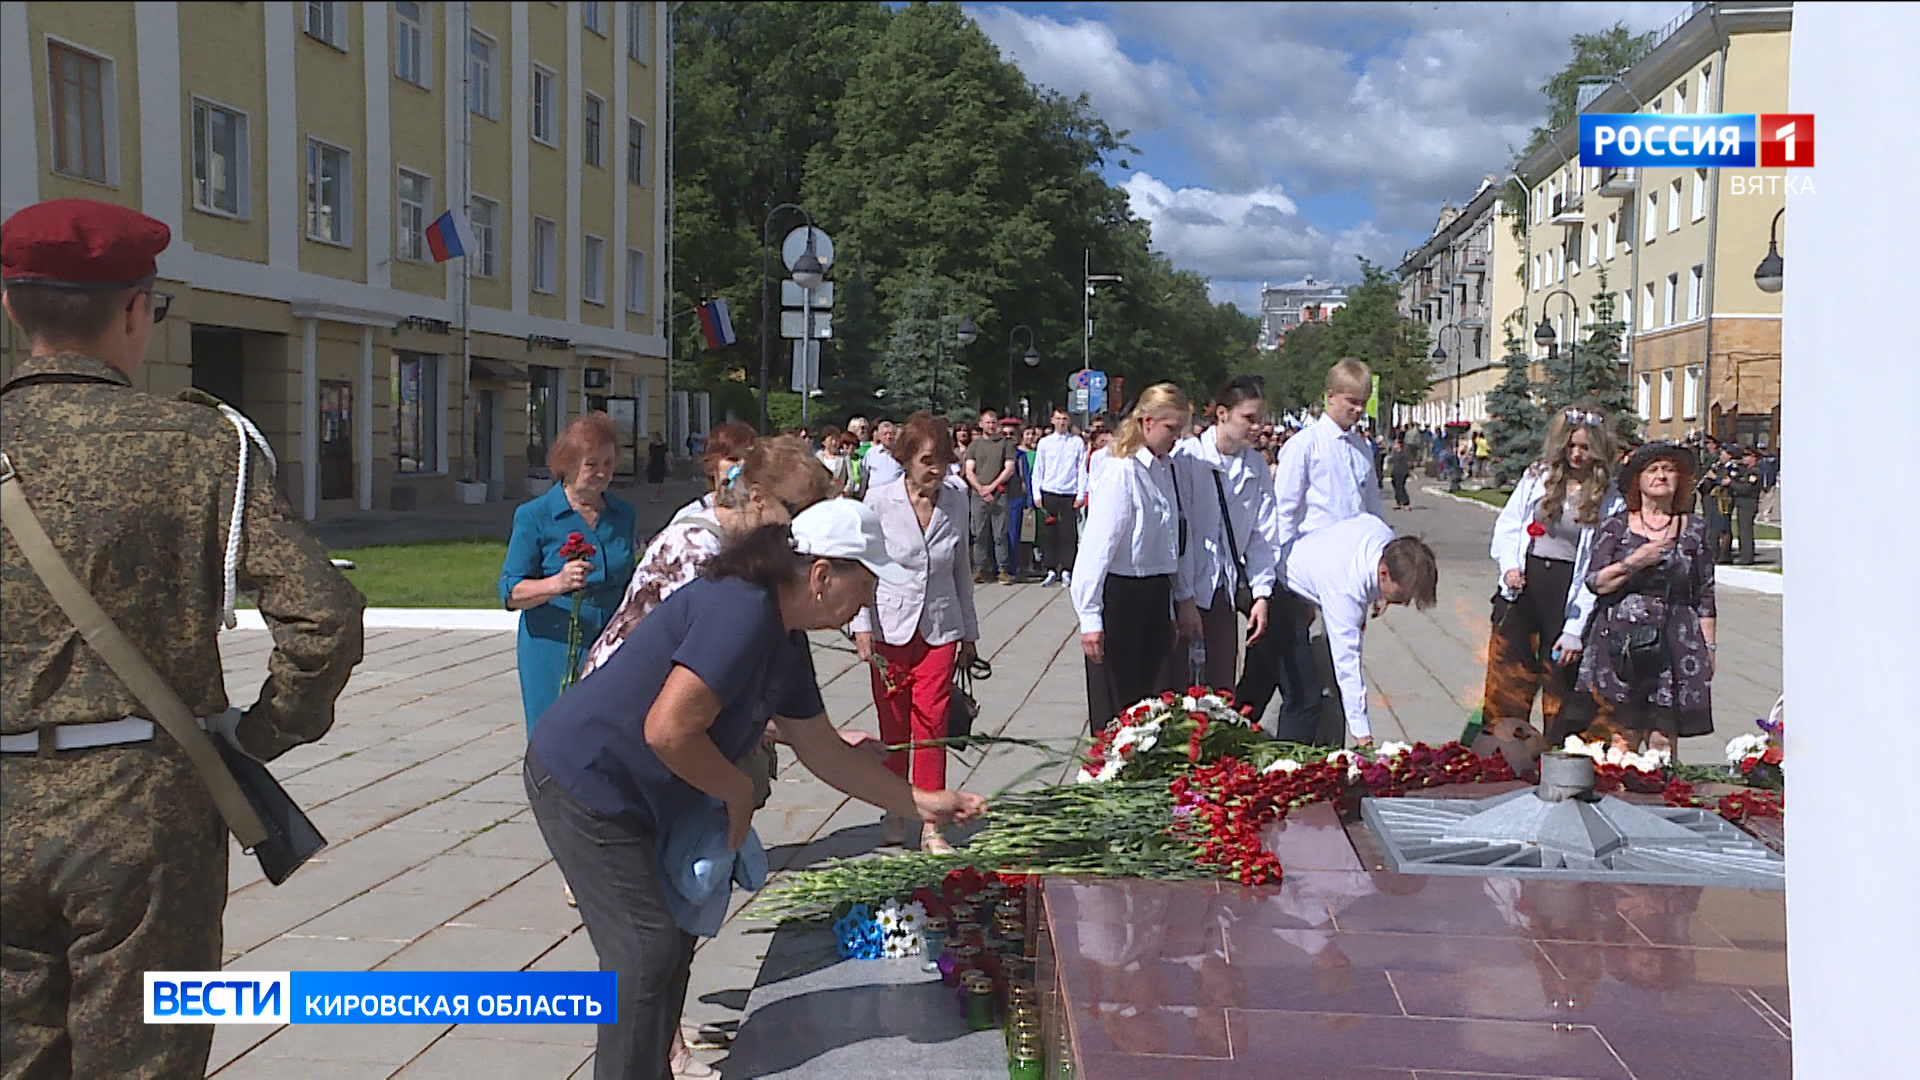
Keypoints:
pixel 113 862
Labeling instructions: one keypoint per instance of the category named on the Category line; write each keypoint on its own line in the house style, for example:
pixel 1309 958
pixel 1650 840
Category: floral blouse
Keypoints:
pixel 673 559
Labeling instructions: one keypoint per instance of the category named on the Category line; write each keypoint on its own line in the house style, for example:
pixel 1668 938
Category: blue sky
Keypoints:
pixel 1278 140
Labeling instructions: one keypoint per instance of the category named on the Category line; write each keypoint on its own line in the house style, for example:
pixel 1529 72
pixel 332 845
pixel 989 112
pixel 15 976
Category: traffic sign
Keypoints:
pixel 1079 400
pixel 796 243
pixel 793 323
pixel 1096 380
pixel 1097 399
pixel 792 295
pixel 1077 380
pixel 806 368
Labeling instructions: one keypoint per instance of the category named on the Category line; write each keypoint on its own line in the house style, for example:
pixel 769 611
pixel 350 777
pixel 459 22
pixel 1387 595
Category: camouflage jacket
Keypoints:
pixel 136 492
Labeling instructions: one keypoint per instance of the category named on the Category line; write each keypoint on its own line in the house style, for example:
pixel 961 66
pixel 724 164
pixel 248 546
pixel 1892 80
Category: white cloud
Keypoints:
pixel 1085 57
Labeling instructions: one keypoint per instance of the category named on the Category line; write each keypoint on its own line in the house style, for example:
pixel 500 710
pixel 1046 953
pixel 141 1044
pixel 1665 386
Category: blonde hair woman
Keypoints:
pixel 1126 582
pixel 1542 543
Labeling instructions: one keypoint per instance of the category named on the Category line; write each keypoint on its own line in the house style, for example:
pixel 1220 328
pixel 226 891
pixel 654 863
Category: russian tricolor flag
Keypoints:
pixel 715 324
pixel 450 236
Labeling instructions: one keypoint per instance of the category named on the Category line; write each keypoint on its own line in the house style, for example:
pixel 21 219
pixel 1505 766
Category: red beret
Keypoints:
pixel 81 244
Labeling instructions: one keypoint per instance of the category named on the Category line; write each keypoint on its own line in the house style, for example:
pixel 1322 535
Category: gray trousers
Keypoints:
pixel 990 547
pixel 614 872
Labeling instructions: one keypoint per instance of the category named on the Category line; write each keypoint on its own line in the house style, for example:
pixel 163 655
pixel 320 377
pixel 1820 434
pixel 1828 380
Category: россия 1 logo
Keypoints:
pixel 1701 140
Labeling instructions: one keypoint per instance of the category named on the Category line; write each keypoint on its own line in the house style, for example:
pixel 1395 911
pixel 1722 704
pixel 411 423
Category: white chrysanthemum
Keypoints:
pixel 1084 776
pixel 1574 745
pixel 1393 749
pixel 1282 765
pixel 1742 747
pixel 1614 756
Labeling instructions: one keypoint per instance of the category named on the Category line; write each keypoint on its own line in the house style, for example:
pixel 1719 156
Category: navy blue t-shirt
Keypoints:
pixel 728 632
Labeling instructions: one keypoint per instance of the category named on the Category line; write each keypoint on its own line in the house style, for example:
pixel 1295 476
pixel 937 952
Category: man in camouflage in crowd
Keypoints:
pixel 115 859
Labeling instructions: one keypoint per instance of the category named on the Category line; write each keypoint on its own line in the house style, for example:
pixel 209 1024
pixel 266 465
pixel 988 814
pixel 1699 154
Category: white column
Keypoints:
pixel 363 421
pixel 659 189
pixel 19 142
pixel 570 240
pixel 379 145
pixel 156 29
pixel 286 155
pixel 309 420
pixel 616 135
pixel 1849 640
pixel 519 92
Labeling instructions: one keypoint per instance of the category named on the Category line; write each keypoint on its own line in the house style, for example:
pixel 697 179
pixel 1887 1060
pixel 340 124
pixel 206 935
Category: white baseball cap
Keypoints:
pixel 846 529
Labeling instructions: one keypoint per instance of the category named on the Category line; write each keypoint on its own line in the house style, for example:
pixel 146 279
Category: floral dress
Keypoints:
pixel 673 559
pixel 1674 595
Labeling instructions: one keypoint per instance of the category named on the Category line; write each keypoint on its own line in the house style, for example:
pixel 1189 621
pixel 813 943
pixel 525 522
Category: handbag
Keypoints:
pixel 1242 592
pixel 962 708
pixel 259 812
pixel 1029 525
pixel 1639 651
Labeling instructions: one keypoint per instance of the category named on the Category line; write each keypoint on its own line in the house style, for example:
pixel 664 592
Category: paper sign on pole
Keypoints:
pixel 806 366
pixel 793 296
pixel 793 324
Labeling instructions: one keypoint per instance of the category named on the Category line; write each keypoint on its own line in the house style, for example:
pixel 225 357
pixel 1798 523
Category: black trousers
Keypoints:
pixel 614 872
pixel 1520 656
pixel 1060 541
pixel 1283 659
pixel 990 547
pixel 1744 511
pixel 1400 497
pixel 1138 615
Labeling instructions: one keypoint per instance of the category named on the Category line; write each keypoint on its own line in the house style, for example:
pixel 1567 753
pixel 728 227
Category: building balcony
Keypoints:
pixel 1618 183
pixel 1566 211
pixel 1472 315
pixel 1473 261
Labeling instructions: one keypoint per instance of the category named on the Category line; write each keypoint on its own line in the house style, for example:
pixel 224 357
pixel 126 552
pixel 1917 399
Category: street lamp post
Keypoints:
pixel 1771 274
pixel 1544 337
pixel 808 273
pixel 1440 356
pixel 1032 358
pixel 1088 278
pixel 965 335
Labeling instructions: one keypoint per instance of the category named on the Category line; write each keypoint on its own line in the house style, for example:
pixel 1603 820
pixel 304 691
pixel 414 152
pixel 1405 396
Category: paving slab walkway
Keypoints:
pixel 436 863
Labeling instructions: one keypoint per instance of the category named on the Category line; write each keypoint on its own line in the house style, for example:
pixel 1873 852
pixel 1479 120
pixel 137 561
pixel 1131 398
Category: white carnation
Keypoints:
pixel 1393 749
pixel 1282 765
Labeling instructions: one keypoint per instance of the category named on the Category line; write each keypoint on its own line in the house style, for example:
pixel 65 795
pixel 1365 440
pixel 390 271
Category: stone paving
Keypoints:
pixel 435 862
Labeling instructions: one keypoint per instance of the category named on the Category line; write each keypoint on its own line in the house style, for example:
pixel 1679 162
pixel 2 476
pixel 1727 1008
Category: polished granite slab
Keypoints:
pixel 1349 970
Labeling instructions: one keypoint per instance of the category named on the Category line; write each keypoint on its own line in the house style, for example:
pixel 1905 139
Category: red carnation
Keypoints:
pixel 1534 528
pixel 576 547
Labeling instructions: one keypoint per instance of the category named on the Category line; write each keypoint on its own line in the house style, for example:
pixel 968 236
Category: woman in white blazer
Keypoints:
pixel 1542 542
pixel 926 627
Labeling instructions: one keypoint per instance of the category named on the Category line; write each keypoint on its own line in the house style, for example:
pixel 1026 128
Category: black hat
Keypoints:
pixel 1651 452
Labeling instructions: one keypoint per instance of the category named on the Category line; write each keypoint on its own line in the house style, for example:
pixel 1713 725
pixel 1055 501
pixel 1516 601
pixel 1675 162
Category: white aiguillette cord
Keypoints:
pixel 230 566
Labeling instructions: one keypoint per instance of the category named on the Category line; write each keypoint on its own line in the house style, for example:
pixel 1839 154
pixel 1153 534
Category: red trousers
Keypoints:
pixel 914 707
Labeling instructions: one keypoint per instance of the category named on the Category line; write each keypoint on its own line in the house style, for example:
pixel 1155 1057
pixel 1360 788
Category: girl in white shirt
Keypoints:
pixel 1541 542
pixel 1126 579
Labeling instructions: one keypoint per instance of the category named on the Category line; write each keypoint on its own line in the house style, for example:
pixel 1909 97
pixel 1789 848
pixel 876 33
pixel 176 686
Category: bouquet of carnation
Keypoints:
pixel 1163 735
pixel 1757 757
pixel 579 548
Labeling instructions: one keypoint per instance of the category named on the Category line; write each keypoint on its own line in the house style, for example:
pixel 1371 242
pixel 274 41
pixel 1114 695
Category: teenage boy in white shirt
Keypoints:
pixel 1351 571
pixel 1057 465
pixel 1324 476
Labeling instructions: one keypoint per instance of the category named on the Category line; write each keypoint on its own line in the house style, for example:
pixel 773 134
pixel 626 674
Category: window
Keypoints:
pixel 1690 394
pixel 1593 245
pixel 593 16
pixel 1659 105
pixel 416 195
pixel 483 66
pixel 1680 99
pixel 545 122
pixel 1673 207
pixel 546 255
pixel 636 152
pixel 1699 194
pixel 416 412
pixel 1613 234
pixel 1559 263
pixel 593 269
pixel 328 23
pixel 1647 308
pixel 483 215
pixel 636 281
pixel 219 159
pixel 1539 202
pixel 1666 394
pixel 1653 216
pixel 329 193
pixel 591 110
pixel 1643 396
pixel 1671 300
pixel 1626 317
pixel 1695 279
pixel 412 54
pixel 637 27
pixel 1706 88
pixel 546 397
pixel 80 84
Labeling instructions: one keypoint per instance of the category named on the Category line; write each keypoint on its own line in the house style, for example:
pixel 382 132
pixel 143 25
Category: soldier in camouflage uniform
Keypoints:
pixel 115 859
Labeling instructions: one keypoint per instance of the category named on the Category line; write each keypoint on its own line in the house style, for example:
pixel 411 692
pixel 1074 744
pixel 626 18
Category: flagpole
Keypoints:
pixel 466 260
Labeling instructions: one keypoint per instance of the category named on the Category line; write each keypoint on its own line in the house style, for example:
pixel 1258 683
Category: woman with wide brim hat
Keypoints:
pixel 1650 657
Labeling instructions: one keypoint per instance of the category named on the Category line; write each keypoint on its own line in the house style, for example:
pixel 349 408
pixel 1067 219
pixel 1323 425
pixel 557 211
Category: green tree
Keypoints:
pixel 1368 328
pixel 1605 54
pixel 921 367
pixel 1516 426
pixel 1589 373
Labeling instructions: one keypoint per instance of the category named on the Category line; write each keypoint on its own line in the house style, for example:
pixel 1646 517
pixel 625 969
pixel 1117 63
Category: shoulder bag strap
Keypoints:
pixel 1179 506
pixel 124 658
pixel 1226 521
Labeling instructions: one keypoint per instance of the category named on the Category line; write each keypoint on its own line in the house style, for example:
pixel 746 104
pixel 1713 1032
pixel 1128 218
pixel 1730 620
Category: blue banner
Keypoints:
pixel 1633 140
pixel 453 997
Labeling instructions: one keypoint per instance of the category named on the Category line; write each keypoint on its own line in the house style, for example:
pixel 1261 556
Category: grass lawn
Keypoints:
pixel 430 574
pixel 1490 496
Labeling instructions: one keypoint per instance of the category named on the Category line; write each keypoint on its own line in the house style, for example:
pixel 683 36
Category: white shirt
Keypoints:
pixel 878 468
pixel 1057 464
pixel 1511 544
pixel 1337 569
pixel 1248 487
pixel 1133 529
pixel 1324 475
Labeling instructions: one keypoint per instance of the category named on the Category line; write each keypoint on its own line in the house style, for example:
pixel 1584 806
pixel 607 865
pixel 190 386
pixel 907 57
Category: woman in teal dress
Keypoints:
pixel 546 587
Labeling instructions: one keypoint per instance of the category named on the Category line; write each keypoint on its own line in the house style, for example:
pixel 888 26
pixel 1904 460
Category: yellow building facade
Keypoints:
pixel 1464 285
pixel 1678 246
pixel 300 151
